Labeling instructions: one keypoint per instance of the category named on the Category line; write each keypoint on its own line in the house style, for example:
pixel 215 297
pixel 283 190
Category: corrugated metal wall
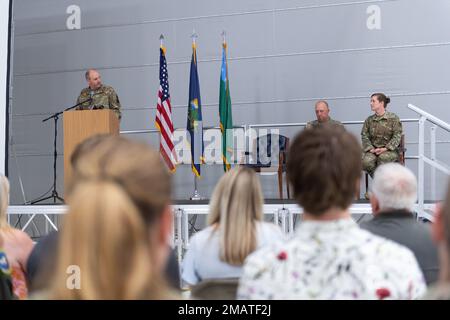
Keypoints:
pixel 283 55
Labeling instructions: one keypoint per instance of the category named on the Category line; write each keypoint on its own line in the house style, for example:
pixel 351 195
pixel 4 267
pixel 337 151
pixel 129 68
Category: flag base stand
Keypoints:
pixel 196 195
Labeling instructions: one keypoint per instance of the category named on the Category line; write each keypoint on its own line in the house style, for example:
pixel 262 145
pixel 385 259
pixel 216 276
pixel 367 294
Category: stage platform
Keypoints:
pixel 283 213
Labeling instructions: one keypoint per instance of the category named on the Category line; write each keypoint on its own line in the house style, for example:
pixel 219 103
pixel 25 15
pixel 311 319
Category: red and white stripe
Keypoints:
pixel 165 127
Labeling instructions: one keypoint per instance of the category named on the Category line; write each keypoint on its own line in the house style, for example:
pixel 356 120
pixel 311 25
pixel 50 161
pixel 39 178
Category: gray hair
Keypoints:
pixel 324 102
pixel 395 187
pixel 87 74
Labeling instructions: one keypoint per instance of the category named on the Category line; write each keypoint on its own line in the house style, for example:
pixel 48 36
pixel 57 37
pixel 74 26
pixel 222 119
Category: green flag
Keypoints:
pixel 226 120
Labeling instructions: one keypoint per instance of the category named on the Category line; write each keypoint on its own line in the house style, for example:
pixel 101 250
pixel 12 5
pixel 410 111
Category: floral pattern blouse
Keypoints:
pixel 332 260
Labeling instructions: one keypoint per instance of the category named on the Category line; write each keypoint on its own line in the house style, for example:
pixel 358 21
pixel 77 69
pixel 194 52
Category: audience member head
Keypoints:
pixel 324 167
pixel 379 102
pixel 4 202
pixel 118 223
pixel 441 235
pixel 236 205
pixel 93 79
pixel 322 111
pixel 394 187
pixel 84 155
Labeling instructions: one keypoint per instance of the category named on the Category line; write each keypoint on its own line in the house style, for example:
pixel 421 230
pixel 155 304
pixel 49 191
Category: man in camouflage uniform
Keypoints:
pixel 381 135
pixel 102 97
pixel 322 114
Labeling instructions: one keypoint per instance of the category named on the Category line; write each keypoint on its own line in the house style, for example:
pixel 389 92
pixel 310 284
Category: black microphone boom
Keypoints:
pixel 55 116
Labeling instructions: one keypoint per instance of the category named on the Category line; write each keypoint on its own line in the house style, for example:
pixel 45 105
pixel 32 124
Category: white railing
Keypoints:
pixel 285 212
pixel 432 161
pixel 248 132
pixel 283 215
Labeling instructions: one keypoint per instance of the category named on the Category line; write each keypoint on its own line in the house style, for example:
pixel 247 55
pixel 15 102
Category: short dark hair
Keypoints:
pixel 324 165
pixel 381 97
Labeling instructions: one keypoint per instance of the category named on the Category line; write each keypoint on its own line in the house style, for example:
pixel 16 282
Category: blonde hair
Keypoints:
pixel 4 203
pixel 120 191
pixel 236 205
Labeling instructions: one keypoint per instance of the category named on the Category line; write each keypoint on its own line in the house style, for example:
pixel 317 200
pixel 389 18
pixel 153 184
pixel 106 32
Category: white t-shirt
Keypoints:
pixel 202 260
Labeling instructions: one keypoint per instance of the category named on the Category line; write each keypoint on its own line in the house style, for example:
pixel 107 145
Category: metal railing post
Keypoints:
pixel 275 216
pixel 291 222
pixel 185 219
pixel 283 219
pixel 246 133
pixel 421 181
pixel 433 157
pixel 179 237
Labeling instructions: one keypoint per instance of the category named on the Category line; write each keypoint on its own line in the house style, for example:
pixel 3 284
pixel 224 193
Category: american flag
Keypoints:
pixel 164 115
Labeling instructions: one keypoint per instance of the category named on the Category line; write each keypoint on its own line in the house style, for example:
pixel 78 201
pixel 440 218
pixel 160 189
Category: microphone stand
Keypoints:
pixel 55 117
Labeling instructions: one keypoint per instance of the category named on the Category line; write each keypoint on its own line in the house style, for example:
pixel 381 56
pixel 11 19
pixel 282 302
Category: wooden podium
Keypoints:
pixel 82 124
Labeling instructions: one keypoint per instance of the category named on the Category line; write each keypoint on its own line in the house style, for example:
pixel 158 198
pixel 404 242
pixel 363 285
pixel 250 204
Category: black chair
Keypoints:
pixel 270 157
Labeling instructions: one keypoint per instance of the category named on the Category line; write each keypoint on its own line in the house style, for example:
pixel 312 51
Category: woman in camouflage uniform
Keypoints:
pixel 381 135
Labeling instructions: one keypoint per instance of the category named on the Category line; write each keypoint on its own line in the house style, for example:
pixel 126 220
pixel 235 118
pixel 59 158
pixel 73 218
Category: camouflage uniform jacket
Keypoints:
pixel 103 98
pixel 316 123
pixel 381 132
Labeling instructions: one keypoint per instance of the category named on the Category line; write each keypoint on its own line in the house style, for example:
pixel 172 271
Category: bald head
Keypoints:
pixel 93 79
pixel 322 111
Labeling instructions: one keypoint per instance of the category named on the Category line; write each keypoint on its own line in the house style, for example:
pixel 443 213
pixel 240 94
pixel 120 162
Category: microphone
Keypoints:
pixel 91 94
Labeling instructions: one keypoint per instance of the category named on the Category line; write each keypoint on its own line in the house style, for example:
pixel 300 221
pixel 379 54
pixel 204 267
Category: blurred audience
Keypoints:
pixel 441 236
pixel 235 229
pixel 394 193
pixel 6 290
pixel 16 243
pixel 330 257
pixel 42 259
pixel 41 262
pixel 114 240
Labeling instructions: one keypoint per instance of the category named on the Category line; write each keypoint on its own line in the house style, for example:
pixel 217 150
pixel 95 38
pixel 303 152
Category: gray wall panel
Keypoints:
pixel 31 136
pixel 283 55
pixel 394 71
pixel 45 94
pixel 344 27
pixel 49 15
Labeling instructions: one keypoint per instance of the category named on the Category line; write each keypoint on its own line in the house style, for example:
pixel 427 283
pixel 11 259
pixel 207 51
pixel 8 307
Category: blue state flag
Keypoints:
pixel 194 118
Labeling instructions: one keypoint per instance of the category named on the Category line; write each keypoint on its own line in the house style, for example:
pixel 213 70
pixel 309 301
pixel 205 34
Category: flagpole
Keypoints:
pixel 224 34
pixel 225 115
pixel 196 195
pixel 194 36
